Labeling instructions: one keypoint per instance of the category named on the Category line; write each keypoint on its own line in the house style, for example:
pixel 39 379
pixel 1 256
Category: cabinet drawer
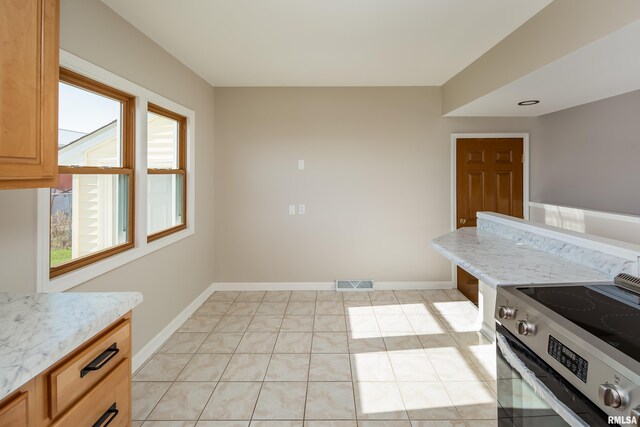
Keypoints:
pixel 109 402
pixel 15 413
pixel 82 371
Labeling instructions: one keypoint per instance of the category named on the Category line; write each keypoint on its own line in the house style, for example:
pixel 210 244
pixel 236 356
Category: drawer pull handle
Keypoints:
pixel 107 417
pixel 101 360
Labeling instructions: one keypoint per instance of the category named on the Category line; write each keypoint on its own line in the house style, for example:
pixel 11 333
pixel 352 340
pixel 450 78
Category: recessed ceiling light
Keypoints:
pixel 529 102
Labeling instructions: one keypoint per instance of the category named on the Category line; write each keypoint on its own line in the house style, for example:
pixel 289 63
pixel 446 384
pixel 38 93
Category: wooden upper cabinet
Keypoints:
pixel 29 62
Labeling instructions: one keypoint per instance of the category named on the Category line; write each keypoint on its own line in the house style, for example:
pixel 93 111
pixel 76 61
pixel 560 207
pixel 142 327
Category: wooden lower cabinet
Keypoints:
pixel 106 403
pixel 19 409
pixel 89 387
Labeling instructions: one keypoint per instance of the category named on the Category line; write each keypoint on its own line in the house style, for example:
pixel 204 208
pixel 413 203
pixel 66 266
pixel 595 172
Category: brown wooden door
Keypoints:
pixel 29 93
pixel 489 177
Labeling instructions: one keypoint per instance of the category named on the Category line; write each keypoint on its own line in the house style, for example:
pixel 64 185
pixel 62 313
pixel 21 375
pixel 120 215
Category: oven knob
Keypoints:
pixel 525 328
pixel 507 313
pixel 612 396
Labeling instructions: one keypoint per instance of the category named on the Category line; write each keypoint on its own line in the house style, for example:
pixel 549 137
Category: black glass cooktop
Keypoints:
pixel 609 312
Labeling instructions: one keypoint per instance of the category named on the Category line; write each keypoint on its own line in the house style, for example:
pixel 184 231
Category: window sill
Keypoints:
pixel 77 277
pixel 87 260
pixel 165 233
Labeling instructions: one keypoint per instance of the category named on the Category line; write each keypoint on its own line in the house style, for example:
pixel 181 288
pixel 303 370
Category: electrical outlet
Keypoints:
pixel 301 164
pixel 302 209
pixel 292 209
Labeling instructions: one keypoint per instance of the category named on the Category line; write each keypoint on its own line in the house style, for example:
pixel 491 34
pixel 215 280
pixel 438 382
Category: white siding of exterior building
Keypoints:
pixel 161 193
pixel 105 154
pixel 95 204
pixel 93 211
pixel 162 145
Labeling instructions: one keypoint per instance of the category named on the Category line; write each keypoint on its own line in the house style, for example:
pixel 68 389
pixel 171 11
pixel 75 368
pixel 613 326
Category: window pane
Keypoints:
pixel 165 201
pixel 89 213
pixel 89 128
pixel 162 142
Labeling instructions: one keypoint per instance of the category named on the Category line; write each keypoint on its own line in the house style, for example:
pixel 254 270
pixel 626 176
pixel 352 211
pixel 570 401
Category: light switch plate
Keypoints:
pixel 302 209
pixel 292 209
pixel 301 164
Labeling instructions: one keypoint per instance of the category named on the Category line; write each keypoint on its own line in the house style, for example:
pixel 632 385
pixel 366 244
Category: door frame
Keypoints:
pixel 525 177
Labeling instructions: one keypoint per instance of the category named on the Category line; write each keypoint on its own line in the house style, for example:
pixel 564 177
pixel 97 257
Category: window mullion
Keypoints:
pixel 165 172
pixel 141 171
pixel 89 170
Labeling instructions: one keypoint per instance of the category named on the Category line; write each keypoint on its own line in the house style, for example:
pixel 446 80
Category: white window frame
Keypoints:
pixel 142 247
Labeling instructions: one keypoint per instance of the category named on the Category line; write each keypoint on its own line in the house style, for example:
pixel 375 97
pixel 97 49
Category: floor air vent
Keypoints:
pixel 354 285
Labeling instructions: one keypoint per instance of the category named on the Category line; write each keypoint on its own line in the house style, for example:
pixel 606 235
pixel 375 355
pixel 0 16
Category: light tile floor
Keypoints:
pixel 322 359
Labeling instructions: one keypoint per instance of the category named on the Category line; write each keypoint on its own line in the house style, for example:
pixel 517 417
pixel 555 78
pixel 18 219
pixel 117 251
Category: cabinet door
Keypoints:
pixel 15 413
pixel 18 409
pixel 29 31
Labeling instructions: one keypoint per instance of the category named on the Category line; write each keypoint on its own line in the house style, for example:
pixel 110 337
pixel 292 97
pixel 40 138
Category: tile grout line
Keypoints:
pixel 173 382
pixel 229 361
pixel 267 368
pixel 353 383
pixel 217 382
pixel 455 408
pixel 386 352
pixel 216 386
pixel 354 380
pixel 306 394
pixel 225 367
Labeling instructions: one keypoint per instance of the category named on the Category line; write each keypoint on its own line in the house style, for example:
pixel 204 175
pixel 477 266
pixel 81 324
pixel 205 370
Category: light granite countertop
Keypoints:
pixel 37 330
pixel 496 260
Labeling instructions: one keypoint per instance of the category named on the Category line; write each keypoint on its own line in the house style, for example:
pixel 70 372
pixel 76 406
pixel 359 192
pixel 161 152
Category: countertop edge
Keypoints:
pixel 467 266
pixel 40 364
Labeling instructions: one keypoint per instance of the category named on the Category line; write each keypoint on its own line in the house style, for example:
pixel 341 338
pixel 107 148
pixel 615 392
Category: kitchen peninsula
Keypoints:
pixel 503 250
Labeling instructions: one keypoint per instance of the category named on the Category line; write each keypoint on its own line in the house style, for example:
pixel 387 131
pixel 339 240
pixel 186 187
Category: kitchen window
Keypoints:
pixel 166 173
pixel 91 208
pixel 117 140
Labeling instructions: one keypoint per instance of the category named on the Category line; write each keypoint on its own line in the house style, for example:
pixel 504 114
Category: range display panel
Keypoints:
pixel 568 358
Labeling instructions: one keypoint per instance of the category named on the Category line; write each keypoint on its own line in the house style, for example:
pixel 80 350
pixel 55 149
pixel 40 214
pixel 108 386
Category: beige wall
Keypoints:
pixel 557 30
pixel 588 156
pixel 376 183
pixel 172 277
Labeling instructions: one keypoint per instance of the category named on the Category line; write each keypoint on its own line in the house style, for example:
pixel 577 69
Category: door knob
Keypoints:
pixel 463 220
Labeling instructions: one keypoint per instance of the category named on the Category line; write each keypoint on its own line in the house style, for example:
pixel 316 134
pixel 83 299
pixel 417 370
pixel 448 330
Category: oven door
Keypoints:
pixel 520 405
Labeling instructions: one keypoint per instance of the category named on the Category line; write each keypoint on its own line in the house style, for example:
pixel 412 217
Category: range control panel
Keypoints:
pixel 568 358
pixel 615 391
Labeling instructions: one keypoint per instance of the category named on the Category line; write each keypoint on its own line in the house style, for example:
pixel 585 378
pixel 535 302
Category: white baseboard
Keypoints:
pixel 400 286
pixel 323 286
pixel 152 346
pixel 273 286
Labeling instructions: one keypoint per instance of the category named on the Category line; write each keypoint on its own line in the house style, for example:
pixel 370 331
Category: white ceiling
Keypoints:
pixel 327 42
pixel 607 67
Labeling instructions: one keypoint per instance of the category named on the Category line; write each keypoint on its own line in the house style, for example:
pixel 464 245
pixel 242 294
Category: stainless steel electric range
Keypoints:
pixel 569 353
